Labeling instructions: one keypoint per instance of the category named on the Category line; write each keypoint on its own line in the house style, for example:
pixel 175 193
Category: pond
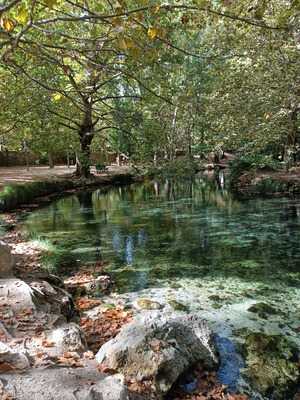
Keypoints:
pixel 189 245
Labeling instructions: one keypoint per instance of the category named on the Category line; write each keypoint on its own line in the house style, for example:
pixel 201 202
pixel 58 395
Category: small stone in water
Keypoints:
pixel 147 304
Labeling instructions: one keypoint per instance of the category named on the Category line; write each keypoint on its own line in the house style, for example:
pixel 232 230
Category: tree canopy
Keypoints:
pixel 146 78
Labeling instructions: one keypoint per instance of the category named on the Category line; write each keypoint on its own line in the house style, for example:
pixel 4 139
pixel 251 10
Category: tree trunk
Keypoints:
pixel 50 160
pixel 86 137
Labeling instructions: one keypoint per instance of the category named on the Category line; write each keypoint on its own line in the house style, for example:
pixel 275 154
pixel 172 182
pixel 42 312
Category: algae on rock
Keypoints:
pixel 271 364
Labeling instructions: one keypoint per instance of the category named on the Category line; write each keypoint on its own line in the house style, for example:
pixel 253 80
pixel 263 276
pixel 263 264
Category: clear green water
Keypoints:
pixel 161 231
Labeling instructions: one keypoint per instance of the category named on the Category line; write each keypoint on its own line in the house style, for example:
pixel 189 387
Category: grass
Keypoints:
pixel 15 195
pixel 54 258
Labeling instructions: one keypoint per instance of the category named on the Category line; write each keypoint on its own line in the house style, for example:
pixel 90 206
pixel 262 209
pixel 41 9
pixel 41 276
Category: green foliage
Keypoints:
pixel 14 195
pixel 182 167
pixel 251 163
pixel 164 78
pixel 100 167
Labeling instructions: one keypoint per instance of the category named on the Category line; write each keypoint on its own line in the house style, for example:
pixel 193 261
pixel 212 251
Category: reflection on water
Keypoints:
pixel 160 231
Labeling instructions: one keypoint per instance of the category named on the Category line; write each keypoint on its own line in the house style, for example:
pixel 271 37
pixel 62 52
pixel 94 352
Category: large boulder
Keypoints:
pixel 6 261
pixel 84 383
pixel 159 347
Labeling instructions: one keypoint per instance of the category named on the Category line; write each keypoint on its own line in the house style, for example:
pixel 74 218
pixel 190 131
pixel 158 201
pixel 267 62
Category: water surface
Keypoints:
pixel 187 244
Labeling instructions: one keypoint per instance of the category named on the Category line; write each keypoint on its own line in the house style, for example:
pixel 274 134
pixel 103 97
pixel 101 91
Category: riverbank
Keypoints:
pixel 39 192
pixel 272 183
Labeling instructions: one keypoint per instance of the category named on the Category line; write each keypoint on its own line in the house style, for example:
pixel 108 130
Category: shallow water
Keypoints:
pixel 162 238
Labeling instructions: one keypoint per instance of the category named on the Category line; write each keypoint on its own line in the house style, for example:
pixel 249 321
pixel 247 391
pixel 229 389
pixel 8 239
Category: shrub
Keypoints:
pixel 252 162
pixel 100 167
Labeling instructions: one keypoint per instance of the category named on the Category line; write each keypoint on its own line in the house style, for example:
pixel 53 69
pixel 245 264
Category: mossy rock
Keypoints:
pixel 177 306
pixel 271 364
pixel 147 304
pixel 215 297
pixel 263 310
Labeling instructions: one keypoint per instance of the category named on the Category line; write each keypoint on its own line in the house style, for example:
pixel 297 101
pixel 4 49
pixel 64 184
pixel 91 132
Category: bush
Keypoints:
pixel 250 163
pixel 179 167
pixel 100 167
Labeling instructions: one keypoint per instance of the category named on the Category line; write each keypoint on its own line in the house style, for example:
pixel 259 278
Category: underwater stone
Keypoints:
pixel 263 310
pixel 147 304
pixel 271 364
pixel 177 306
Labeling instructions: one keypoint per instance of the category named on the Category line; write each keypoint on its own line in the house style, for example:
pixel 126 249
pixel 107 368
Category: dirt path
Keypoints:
pixel 11 175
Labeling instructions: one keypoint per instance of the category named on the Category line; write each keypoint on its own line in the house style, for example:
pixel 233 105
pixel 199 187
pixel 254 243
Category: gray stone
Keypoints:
pixel 12 359
pixel 68 337
pixel 110 388
pixel 6 261
pixel 159 347
pixel 65 384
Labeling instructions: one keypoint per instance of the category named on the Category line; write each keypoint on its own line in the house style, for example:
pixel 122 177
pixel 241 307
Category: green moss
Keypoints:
pixel 271 364
pixel 13 196
pixel 263 310
pixel 177 306
pixel 54 258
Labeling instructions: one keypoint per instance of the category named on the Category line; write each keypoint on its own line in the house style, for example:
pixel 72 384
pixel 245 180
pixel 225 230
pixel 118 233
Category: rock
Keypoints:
pixel 65 384
pixel 67 337
pixel 176 305
pixel 17 294
pixel 271 364
pixel 159 347
pixel 100 284
pixel 6 261
pixel 52 299
pixel 11 359
pixel 110 388
pixel 263 310
pixel 147 304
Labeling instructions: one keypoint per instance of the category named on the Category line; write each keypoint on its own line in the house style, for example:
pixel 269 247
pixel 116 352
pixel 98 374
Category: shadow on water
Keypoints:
pixel 171 229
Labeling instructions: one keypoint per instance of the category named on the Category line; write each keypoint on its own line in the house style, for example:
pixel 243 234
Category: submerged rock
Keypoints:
pixel 178 306
pixel 147 304
pixel 231 362
pixel 271 364
pixel 159 347
pixel 6 261
pixel 263 310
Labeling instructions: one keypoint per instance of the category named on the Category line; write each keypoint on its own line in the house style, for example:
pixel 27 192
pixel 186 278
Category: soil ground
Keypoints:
pixel 13 175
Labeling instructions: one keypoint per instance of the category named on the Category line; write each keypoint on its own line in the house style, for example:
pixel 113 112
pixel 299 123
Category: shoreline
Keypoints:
pixel 22 196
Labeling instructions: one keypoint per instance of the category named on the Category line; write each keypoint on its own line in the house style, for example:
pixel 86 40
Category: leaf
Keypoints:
pixel 22 15
pixel 51 3
pixel 126 43
pixel 7 24
pixel 152 33
pixel 202 3
pixel 56 96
